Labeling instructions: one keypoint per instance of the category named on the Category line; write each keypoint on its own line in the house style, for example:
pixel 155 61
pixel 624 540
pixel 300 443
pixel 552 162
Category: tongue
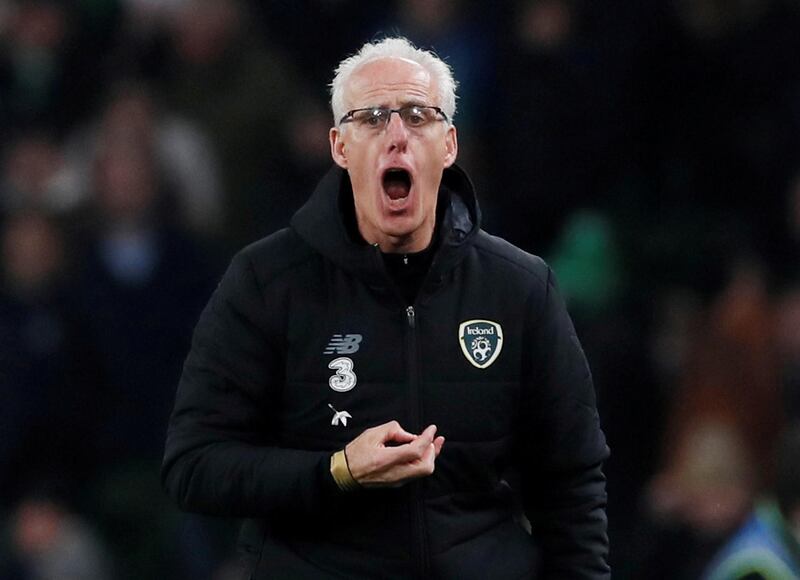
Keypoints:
pixel 396 189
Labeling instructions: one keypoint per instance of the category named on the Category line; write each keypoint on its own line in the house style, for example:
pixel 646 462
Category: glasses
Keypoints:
pixel 377 118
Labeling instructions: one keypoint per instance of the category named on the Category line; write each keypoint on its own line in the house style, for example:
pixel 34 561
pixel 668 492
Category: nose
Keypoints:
pixel 397 131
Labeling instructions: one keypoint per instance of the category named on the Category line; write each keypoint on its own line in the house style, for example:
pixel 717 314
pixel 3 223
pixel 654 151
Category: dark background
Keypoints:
pixel 647 149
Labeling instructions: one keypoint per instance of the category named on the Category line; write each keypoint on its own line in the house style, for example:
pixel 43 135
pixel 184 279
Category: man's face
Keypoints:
pixel 396 171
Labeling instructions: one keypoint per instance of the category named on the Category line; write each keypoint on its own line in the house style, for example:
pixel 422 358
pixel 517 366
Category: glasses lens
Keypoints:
pixel 413 117
pixel 416 116
pixel 371 118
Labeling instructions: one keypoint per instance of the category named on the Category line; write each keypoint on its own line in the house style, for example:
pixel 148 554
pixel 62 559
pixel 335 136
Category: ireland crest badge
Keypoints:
pixel 481 341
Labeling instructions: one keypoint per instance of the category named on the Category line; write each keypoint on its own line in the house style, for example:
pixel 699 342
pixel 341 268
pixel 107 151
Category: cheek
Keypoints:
pixel 362 161
pixel 364 202
pixel 430 201
pixel 429 193
pixel 358 168
pixel 431 172
pixel 435 155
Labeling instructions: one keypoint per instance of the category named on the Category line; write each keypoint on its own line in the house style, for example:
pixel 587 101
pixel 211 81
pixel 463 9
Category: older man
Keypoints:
pixel 337 354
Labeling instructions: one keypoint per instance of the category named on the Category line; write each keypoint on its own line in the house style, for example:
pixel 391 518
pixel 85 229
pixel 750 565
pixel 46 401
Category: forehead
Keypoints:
pixel 389 81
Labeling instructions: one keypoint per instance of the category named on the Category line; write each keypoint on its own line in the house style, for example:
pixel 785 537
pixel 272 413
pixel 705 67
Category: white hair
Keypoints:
pixel 396 47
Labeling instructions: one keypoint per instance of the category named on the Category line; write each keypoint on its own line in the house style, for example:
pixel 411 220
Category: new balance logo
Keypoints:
pixel 343 344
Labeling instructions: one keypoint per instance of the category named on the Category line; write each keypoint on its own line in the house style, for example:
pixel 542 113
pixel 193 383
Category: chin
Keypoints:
pixel 400 226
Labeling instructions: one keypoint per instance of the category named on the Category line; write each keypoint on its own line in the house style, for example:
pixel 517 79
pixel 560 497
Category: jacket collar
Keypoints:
pixel 321 222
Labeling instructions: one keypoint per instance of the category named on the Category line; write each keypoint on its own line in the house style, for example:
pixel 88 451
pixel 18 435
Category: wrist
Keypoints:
pixel 340 471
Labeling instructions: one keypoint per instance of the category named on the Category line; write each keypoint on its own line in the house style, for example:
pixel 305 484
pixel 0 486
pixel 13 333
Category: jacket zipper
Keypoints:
pixel 420 547
pixel 411 314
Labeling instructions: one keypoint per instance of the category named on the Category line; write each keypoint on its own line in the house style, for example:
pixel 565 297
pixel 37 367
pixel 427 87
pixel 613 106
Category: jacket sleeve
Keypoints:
pixel 221 453
pixel 561 447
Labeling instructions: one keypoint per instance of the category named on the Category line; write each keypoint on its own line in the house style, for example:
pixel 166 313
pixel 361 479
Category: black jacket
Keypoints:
pixel 259 410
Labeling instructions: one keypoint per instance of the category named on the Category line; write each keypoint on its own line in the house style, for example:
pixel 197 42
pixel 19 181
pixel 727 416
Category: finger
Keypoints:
pixel 394 432
pixel 406 453
pixel 426 464
pixel 413 451
pixel 438 443
pixel 416 445
pixel 420 467
pixel 428 434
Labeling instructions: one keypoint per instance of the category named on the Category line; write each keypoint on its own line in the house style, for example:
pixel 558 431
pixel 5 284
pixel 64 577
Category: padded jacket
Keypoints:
pixel 307 342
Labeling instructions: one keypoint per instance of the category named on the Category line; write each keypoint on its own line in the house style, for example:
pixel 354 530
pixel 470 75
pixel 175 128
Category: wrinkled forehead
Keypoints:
pixel 390 81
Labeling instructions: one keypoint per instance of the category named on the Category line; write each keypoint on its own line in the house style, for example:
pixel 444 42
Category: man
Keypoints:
pixel 336 356
pixel 767 546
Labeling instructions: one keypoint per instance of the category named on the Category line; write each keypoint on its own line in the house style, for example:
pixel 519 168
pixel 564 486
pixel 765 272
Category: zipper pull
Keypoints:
pixel 411 314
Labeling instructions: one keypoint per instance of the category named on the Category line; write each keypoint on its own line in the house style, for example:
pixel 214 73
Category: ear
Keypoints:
pixel 337 147
pixel 451 146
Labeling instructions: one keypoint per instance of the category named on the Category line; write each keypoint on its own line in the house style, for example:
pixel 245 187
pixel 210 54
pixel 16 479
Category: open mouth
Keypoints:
pixel 396 183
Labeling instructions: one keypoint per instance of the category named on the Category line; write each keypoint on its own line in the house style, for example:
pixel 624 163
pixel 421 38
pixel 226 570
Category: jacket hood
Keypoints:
pixel 321 222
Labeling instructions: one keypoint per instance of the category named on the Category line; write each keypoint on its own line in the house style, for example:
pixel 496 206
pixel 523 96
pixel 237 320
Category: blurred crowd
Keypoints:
pixel 649 150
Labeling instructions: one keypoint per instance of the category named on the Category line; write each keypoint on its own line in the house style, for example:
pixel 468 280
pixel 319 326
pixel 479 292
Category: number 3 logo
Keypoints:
pixel 345 378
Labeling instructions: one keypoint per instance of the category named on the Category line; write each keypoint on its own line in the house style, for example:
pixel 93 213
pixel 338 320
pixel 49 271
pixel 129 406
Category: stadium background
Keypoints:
pixel 648 149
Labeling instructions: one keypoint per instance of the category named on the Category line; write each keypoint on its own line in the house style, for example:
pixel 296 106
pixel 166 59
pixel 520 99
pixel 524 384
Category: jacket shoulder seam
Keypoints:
pixel 481 247
pixel 277 273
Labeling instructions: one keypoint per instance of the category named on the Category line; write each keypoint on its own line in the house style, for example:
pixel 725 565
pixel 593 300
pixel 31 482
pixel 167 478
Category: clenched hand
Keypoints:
pixel 389 456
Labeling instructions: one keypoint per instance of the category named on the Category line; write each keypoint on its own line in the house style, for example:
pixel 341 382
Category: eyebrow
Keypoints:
pixel 403 104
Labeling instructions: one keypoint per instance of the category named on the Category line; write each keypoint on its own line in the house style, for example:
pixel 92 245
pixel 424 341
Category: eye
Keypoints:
pixel 369 118
pixel 374 118
pixel 415 116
